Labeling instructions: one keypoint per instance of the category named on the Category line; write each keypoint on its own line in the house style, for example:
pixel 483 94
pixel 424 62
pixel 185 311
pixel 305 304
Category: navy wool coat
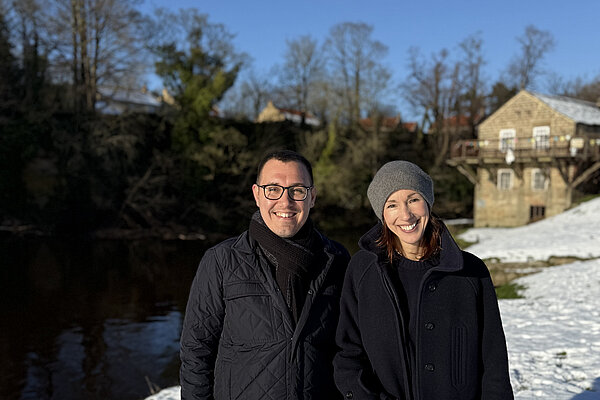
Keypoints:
pixel 460 345
pixel 239 340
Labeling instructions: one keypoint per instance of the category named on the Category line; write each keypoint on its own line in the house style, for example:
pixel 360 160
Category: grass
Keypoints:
pixel 455 231
pixel 582 199
pixel 509 291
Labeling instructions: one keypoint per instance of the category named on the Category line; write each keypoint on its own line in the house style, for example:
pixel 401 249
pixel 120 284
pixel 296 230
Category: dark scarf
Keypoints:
pixel 294 261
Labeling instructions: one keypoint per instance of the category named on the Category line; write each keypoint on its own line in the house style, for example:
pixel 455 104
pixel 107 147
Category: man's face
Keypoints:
pixel 284 217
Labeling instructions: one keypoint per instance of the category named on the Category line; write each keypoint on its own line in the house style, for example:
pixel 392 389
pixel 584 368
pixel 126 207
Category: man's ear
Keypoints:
pixel 256 192
pixel 313 196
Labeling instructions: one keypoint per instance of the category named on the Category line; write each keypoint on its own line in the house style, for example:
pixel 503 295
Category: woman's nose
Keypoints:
pixel 405 212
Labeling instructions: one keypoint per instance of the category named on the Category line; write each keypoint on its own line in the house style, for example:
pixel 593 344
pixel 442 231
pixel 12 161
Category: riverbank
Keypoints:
pixel 161 233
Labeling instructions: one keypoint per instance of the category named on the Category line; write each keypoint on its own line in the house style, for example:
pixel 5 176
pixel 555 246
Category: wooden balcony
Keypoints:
pixel 523 150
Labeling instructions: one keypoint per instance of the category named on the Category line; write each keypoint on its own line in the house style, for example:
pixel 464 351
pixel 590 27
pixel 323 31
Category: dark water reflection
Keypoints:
pixel 91 320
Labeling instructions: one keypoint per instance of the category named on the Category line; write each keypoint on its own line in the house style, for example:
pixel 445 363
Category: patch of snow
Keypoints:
pixel 573 233
pixel 553 333
pixel 172 393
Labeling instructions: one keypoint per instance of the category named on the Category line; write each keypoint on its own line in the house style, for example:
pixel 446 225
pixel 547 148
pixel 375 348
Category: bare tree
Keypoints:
pixel 356 69
pixel 526 66
pixel 303 68
pixel 433 89
pixel 101 43
pixel 579 87
pixel 472 81
pixel 254 92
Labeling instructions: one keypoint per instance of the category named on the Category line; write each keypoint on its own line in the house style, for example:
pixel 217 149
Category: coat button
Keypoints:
pixel 429 367
pixel 429 326
pixel 349 395
pixel 432 286
pixel 310 292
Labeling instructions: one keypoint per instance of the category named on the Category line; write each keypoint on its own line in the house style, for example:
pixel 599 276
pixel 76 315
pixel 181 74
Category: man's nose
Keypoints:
pixel 285 198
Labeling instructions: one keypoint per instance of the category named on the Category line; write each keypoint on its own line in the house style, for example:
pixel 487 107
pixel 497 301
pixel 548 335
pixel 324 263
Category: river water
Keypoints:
pixel 91 319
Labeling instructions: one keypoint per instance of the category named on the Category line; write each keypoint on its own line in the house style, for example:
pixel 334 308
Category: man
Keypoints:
pixel 263 308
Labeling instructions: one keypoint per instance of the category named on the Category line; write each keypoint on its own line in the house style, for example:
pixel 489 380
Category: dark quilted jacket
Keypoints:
pixel 238 340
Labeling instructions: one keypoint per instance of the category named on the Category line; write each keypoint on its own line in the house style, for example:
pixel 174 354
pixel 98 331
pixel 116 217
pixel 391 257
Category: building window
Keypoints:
pixel 505 179
pixel 507 139
pixel 536 213
pixel 541 137
pixel 538 179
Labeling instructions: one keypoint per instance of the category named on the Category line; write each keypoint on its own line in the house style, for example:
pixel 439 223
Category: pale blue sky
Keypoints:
pixel 262 27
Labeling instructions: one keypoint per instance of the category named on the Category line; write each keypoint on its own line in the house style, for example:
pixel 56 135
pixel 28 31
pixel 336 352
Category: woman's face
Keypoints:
pixel 406 214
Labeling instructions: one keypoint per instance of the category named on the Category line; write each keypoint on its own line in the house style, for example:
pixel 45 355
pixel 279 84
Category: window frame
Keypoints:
pixel 539 132
pixel 535 172
pixel 537 213
pixel 507 139
pixel 511 178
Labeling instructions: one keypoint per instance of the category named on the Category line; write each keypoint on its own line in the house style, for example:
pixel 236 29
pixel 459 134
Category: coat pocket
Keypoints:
pixel 459 356
pixel 248 313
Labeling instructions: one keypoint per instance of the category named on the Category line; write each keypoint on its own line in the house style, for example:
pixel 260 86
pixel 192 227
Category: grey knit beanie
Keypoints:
pixel 394 176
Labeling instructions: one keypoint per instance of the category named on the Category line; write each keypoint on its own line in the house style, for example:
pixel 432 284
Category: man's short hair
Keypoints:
pixel 285 156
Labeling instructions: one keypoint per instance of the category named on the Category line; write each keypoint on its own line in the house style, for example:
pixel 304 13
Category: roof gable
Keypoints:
pixel 578 111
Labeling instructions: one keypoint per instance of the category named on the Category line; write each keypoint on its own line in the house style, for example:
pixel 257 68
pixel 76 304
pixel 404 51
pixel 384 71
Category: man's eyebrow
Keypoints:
pixel 293 184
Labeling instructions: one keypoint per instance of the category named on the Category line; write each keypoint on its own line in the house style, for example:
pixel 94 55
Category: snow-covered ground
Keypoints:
pixel 575 232
pixel 553 333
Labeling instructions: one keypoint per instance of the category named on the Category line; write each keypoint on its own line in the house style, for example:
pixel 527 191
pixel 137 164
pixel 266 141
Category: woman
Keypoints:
pixel 419 317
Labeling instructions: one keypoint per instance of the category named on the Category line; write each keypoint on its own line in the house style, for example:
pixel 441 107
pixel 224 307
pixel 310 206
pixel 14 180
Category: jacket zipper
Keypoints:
pixel 394 298
pixel 314 289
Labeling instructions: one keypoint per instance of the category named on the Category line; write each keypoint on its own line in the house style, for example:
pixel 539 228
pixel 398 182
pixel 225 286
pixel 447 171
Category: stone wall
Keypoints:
pixel 498 207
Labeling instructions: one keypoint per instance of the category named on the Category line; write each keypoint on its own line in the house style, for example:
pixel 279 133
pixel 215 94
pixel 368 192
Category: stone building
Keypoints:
pixel 116 101
pixel 387 124
pixel 271 113
pixel 529 157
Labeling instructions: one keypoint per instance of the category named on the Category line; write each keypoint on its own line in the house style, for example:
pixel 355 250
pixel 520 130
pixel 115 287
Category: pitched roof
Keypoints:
pixel 580 111
pixel 410 126
pixel 461 121
pixel 388 123
pixel 384 122
pixel 129 96
pixel 272 113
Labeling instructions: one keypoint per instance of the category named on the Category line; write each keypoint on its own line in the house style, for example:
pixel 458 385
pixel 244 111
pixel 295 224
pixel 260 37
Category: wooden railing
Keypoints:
pixel 581 148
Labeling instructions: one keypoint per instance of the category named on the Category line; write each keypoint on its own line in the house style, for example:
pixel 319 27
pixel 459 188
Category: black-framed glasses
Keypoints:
pixel 295 192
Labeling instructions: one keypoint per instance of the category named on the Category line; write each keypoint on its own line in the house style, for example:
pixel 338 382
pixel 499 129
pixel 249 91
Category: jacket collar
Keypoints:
pixel 244 244
pixel 449 260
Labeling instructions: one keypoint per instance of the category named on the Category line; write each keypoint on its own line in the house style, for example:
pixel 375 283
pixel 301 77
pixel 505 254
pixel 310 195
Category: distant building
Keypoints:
pixel 528 158
pixel 114 101
pixel 461 126
pixel 387 124
pixel 274 114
